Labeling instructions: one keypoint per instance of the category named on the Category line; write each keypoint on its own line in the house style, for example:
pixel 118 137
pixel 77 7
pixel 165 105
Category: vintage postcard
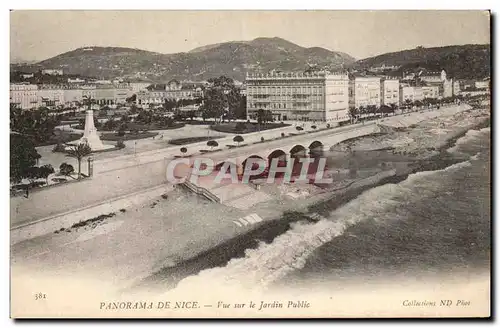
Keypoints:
pixel 250 164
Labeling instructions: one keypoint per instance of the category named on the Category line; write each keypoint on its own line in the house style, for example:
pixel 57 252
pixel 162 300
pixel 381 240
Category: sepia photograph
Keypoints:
pixel 250 164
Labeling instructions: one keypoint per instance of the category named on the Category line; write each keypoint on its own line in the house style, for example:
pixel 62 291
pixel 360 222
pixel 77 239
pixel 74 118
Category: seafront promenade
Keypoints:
pixel 132 175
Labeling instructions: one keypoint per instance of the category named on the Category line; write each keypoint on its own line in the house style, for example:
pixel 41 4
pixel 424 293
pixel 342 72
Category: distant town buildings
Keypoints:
pixel 29 96
pixel 27 76
pixel 317 96
pixel 52 71
pixel 384 68
pixel 138 86
pixel 173 90
pixel 76 80
pixel 310 96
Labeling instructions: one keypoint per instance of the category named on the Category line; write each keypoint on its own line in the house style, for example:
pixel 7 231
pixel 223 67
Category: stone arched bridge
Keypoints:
pixel 283 148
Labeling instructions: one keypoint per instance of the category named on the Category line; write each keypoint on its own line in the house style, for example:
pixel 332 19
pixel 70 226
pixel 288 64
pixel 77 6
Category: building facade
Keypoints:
pixel 482 84
pixel 174 90
pixel 24 96
pixel 389 89
pixel 319 96
pixel 429 92
pixel 447 88
pixel 49 97
pixel 364 91
pixel 433 77
pixel 410 94
pixel 456 88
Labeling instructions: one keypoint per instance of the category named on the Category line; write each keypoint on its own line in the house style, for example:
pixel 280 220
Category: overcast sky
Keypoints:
pixel 38 35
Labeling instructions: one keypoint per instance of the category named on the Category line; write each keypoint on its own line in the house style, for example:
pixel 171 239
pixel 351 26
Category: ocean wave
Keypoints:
pixel 475 157
pixel 271 261
pixel 470 137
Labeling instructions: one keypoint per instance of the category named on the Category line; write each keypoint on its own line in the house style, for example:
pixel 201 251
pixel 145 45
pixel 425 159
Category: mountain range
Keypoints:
pixel 468 61
pixel 234 59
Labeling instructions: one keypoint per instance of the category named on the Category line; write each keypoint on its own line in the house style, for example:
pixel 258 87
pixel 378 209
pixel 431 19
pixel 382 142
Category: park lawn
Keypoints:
pixel 128 136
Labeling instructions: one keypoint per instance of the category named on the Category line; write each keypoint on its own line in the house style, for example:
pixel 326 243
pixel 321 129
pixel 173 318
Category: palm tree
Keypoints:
pixel 79 152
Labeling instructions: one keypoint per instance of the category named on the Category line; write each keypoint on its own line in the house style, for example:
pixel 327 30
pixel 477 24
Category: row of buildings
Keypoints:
pixel 325 96
pixel 157 94
pixel 30 96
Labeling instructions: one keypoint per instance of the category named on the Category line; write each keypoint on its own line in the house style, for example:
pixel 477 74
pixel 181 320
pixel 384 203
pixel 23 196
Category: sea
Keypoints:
pixel 433 222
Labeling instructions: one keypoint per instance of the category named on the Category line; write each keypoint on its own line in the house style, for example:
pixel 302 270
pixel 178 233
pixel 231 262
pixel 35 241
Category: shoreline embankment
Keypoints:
pixel 168 277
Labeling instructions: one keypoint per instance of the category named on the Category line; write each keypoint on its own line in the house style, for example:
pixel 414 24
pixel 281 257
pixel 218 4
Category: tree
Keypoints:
pixel 66 169
pixel 32 174
pixel 34 123
pixel 79 152
pixel 222 96
pixel 23 156
pixel 110 125
pixel 393 108
pixel 353 113
pixel 409 103
pixel 212 144
pixel 122 129
pixel 120 144
pixel 125 118
pixel 183 150
pixel 241 110
pixel 238 139
pixel 45 171
pixel 264 116
pixel 371 109
pixel 384 109
pixel 133 109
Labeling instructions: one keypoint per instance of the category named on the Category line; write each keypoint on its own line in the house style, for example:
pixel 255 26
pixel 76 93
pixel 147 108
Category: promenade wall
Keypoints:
pixel 132 174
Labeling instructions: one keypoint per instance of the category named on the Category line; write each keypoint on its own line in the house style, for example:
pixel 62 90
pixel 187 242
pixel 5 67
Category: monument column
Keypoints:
pixel 90 136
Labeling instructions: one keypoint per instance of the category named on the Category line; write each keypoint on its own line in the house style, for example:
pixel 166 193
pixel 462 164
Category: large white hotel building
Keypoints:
pixel 318 96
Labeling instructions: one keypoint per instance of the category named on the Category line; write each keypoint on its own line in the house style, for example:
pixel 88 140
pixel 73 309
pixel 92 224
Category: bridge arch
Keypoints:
pixel 244 163
pixel 298 150
pixel 316 148
pixel 277 153
pixel 316 144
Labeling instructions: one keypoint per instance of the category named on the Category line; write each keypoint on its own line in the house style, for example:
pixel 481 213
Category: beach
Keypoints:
pixel 155 245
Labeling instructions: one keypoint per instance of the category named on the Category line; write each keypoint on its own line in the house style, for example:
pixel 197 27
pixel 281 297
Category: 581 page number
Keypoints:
pixel 40 296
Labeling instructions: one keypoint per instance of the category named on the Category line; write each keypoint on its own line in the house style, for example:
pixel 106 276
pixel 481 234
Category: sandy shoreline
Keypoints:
pixel 432 157
pixel 159 243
